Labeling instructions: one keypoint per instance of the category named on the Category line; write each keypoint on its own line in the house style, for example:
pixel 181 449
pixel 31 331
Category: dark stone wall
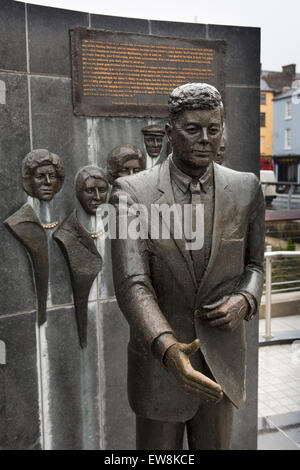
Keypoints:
pixel 53 394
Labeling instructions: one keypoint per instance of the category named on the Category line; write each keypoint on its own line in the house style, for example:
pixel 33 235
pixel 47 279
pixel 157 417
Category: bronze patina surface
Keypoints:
pixel 78 245
pixel 186 308
pixel 43 176
pixel 125 160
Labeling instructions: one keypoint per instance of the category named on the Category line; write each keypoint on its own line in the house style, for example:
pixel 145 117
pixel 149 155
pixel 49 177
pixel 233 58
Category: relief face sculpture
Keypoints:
pixel 153 138
pixel 78 244
pixel 125 160
pixel 91 188
pixel 187 308
pixel 43 176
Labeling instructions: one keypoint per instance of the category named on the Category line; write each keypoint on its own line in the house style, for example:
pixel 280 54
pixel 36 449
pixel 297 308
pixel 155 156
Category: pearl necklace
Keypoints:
pixel 97 235
pixel 50 226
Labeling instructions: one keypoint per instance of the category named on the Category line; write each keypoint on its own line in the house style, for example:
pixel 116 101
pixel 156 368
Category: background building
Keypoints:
pixel 266 125
pixel 272 85
pixel 286 136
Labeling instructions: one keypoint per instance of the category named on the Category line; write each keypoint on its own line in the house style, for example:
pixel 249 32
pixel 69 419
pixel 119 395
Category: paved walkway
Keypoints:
pixel 279 389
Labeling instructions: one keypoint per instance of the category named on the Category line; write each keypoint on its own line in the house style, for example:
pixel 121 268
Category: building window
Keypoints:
pixel 288 110
pixel 262 119
pixel 262 98
pixel 287 139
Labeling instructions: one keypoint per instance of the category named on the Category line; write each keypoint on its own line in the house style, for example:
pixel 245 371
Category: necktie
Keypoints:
pixel 198 226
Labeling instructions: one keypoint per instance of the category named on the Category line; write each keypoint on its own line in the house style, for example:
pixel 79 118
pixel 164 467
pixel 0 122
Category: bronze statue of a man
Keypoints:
pixel 181 301
pixel 125 160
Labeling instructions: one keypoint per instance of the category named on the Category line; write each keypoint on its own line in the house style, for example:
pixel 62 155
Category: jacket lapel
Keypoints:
pixel 166 196
pixel 222 203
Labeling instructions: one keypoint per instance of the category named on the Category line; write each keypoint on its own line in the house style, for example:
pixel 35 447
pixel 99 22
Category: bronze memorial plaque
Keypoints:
pixel 122 74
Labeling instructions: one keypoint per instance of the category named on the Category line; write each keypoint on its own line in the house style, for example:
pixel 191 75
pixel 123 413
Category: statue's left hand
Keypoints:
pixel 228 314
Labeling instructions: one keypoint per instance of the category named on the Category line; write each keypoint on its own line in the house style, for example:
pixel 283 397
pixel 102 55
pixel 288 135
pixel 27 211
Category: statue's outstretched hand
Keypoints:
pixel 177 361
pixel 227 314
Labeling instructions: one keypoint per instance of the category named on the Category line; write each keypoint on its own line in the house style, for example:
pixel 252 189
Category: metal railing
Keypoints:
pixel 269 255
pixel 281 188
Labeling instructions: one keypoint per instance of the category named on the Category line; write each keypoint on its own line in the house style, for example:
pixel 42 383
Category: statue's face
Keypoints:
pixel 45 183
pixel 130 167
pixel 195 138
pixel 93 194
pixel 153 144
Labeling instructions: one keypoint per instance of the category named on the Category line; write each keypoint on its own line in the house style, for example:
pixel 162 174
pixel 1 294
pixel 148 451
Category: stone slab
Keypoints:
pixel 70 382
pixel 242 114
pixel 116 23
pixel 49 41
pixel 245 420
pixel 243 53
pixel 20 423
pixel 111 132
pixel 17 288
pixel 119 419
pixel 12 36
pixel 177 29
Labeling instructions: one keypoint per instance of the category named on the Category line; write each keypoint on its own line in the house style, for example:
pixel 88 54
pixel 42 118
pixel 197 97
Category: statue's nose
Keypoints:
pixel 47 179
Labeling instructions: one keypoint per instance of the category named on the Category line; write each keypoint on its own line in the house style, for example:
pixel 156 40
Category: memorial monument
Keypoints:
pixel 94 93
pixel 181 302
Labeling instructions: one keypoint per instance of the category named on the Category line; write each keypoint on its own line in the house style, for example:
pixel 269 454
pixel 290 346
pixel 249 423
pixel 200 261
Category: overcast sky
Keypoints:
pixel 279 20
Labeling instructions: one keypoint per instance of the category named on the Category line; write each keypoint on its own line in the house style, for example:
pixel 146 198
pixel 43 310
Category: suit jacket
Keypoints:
pixel 84 263
pixel 157 290
pixel 26 226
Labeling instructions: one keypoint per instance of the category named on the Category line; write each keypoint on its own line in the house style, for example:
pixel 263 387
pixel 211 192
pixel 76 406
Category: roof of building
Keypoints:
pixel 275 81
pixel 264 86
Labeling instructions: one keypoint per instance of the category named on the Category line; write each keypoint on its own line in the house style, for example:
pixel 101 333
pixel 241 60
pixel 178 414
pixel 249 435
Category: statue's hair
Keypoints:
pixel 193 96
pixel 37 158
pixel 119 155
pixel 88 171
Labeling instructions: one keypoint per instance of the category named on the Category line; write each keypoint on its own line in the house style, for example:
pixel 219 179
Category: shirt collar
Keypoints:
pixel 182 180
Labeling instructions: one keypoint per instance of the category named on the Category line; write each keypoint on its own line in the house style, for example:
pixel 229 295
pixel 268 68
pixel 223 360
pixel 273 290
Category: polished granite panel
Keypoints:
pixel 17 292
pixel 70 382
pixel 243 53
pixel 12 36
pixel 109 133
pixel 242 114
pixel 49 39
pixel 119 419
pixel 177 29
pixel 245 424
pixel 20 417
pixel 115 23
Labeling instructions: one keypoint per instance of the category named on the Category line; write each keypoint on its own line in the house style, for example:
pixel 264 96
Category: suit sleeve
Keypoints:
pixel 131 272
pixel 253 277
